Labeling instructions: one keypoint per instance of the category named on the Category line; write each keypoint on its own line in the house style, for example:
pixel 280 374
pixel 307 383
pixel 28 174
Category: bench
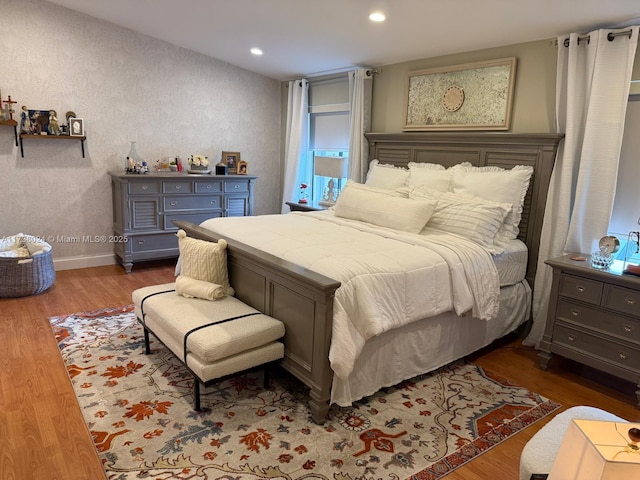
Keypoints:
pixel 214 339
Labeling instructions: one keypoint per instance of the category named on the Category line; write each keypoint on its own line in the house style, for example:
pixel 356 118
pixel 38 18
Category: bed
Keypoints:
pixel 308 301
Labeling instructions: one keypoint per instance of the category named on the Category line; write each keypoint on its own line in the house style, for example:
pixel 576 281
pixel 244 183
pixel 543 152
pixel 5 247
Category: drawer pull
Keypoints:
pixel 213 202
pixel 236 186
pixel 144 187
pixel 209 187
pixel 575 313
pixel 630 301
pixel 628 328
pixel 623 355
pixel 580 288
pixel 571 338
pixel 173 204
pixel 178 187
pixel 140 242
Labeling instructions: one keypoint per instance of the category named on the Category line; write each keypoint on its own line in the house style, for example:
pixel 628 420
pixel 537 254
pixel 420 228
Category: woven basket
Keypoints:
pixel 23 276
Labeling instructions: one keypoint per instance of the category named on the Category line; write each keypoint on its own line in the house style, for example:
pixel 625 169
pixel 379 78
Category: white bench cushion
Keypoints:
pixel 170 316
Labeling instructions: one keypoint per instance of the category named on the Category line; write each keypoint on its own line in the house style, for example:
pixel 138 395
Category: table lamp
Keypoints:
pixel 598 450
pixel 336 169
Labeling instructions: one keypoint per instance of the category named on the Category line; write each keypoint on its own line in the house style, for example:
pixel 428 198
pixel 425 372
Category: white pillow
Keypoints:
pixel 386 176
pixel 203 260
pixel 474 218
pixel 498 185
pixel 360 202
pixel 428 175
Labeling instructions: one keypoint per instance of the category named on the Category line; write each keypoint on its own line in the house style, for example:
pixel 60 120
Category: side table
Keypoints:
pixel 594 318
pixel 305 207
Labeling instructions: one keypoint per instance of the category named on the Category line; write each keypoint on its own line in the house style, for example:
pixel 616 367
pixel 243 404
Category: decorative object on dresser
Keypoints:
pixel 231 159
pixel 473 96
pixel 594 318
pixel 632 254
pixel 243 167
pixel 199 164
pixel 144 207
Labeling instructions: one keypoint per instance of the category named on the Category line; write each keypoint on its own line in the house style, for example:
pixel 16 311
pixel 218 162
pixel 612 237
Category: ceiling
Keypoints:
pixel 314 37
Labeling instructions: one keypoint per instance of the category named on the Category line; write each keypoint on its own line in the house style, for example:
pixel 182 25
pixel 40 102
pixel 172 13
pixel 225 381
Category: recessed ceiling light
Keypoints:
pixel 256 51
pixel 377 16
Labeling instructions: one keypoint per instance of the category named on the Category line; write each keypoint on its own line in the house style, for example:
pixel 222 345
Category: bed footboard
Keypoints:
pixel 300 298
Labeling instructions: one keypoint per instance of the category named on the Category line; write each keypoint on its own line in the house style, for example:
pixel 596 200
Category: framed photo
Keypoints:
pixel 231 159
pixel 243 167
pixel 473 96
pixel 76 127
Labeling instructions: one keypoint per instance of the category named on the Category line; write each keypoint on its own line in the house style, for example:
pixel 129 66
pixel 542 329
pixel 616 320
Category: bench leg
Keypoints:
pixel 196 394
pixel 147 345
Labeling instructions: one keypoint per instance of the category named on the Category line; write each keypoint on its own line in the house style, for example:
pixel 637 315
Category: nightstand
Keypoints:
pixel 305 207
pixel 594 318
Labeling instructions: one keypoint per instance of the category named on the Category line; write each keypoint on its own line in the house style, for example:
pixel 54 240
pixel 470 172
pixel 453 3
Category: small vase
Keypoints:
pixel 133 154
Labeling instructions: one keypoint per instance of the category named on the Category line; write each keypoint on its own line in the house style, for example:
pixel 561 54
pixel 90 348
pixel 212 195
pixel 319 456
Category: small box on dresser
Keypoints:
pixel 594 318
pixel 145 206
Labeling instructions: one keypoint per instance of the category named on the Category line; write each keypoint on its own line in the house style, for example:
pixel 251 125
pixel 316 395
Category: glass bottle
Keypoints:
pixel 133 154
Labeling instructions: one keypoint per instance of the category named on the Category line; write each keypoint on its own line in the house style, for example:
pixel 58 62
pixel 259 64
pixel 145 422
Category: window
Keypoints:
pixel 626 207
pixel 328 130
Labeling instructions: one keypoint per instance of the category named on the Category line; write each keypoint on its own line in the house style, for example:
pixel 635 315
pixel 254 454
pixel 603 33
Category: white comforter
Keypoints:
pixel 388 278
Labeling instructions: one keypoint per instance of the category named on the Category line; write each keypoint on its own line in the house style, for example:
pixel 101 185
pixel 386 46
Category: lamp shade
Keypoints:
pixel 333 167
pixel 597 450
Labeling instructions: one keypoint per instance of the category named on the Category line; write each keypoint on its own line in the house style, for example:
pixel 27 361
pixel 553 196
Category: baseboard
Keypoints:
pixel 85 261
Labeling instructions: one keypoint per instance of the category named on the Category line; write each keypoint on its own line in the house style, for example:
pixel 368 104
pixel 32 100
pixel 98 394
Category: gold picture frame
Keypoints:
pixel 231 159
pixel 471 96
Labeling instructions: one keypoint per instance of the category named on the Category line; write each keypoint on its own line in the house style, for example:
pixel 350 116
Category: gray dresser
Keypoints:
pixel 144 207
pixel 594 318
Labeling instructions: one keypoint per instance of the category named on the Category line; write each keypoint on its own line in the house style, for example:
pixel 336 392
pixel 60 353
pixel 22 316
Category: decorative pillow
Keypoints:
pixel 498 185
pixel 205 261
pixel 386 176
pixel 360 202
pixel 474 218
pixel 430 176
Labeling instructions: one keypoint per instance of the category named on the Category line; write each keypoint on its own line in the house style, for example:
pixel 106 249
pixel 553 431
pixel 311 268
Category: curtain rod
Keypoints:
pixel 610 37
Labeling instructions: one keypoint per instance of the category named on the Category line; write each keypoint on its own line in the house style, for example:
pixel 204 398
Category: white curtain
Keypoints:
pixel 360 88
pixel 296 139
pixel 592 88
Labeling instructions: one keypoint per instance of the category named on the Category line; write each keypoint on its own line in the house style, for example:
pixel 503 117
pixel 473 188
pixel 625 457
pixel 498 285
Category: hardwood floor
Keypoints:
pixel 43 435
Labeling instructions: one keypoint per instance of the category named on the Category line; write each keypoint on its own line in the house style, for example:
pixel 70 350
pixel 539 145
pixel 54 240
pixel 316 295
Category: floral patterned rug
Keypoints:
pixel 139 411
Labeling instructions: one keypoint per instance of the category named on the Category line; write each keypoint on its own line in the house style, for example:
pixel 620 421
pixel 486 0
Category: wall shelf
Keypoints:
pixel 51 137
pixel 14 124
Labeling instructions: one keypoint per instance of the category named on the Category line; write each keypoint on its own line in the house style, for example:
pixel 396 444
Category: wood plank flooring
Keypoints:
pixel 43 435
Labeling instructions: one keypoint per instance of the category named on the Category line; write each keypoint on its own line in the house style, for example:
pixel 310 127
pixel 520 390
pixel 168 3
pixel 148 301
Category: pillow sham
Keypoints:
pixel 204 261
pixel 474 218
pixel 386 176
pixel 362 203
pixel 427 175
pixel 498 185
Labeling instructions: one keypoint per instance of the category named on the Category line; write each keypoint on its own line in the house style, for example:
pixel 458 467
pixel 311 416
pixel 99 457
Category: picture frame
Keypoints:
pixel 76 127
pixel 471 96
pixel 231 159
pixel 243 168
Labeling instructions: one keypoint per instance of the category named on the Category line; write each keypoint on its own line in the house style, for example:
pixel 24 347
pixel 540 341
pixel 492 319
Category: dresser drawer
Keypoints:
pixel 597 347
pixel 589 291
pixel 208 187
pixel 145 243
pixel 594 318
pixel 144 188
pixel 209 202
pixel 193 217
pixel 177 187
pixel 622 300
pixel 236 186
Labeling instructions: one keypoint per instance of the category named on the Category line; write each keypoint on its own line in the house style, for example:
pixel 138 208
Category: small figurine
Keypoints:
pixel 25 121
pixel 54 127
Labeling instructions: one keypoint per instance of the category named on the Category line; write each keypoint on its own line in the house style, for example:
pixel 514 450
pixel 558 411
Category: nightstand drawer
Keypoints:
pixel 597 347
pixel 624 328
pixel 622 300
pixel 589 291
pixel 192 203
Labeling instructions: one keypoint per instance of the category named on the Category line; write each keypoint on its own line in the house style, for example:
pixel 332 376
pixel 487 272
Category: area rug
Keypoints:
pixel 138 409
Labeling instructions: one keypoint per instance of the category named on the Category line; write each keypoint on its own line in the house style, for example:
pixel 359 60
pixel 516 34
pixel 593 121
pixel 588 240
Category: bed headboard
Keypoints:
pixel 504 150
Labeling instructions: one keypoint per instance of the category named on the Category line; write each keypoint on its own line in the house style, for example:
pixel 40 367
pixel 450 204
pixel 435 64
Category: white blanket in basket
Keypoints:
pixel 388 278
pixel 21 245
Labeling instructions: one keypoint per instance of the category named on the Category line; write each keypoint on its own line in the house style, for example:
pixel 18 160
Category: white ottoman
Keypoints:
pixel 540 452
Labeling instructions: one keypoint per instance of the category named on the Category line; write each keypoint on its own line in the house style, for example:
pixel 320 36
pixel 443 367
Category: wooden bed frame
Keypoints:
pixel 303 299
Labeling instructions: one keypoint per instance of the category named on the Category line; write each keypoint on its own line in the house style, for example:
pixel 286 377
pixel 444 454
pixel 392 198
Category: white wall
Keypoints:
pixel 126 86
